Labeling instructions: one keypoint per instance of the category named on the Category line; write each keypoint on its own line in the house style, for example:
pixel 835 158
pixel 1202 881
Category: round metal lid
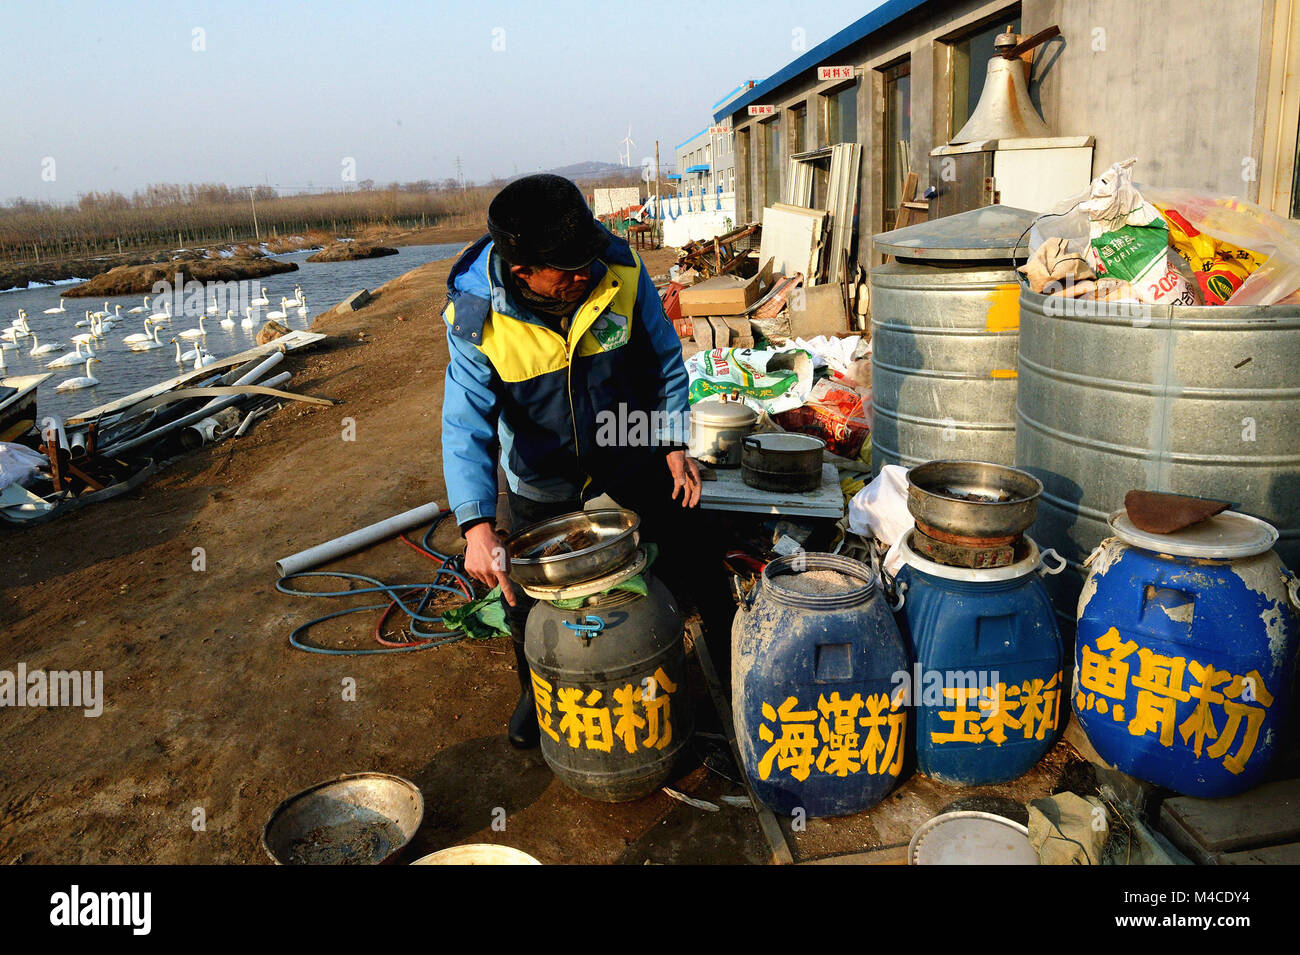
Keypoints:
pixel 588 588
pixel 716 411
pixel 1221 537
pixel 969 837
pixel 992 232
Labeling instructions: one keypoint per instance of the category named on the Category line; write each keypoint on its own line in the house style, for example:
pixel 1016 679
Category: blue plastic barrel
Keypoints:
pixel 1186 653
pixel 987 685
pixel 814 654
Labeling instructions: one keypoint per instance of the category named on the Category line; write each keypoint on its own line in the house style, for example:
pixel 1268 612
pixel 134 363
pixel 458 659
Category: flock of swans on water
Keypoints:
pixel 103 321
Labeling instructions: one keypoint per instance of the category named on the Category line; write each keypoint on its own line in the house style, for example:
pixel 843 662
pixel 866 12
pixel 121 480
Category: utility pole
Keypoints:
pixel 659 203
pixel 256 232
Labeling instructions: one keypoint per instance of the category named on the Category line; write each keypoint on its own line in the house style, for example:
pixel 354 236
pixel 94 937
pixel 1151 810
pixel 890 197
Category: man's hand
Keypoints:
pixel 486 559
pixel 686 478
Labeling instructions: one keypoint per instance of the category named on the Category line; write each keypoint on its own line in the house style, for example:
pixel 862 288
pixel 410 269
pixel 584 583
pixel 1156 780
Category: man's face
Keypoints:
pixel 558 284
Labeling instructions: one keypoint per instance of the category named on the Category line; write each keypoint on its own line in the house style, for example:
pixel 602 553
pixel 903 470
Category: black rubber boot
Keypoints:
pixel 524 732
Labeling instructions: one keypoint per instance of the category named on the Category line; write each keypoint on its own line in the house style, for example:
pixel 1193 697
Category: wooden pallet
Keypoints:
pixel 1258 827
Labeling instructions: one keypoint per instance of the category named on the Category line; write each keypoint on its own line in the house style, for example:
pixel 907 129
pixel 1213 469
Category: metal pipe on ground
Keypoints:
pixel 358 539
pixel 216 404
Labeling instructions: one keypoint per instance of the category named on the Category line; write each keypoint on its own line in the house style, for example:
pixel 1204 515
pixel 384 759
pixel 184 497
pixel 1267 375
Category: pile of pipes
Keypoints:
pixel 92 459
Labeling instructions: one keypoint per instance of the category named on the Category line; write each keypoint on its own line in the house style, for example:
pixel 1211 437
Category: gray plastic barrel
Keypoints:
pixel 1203 401
pixel 945 328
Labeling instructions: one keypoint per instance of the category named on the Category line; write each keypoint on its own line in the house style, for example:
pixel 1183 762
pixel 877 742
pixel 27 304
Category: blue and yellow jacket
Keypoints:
pixel 517 386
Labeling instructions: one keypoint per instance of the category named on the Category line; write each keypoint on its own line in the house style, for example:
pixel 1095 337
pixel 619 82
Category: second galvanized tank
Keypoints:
pixel 1192 400
pixel 945 326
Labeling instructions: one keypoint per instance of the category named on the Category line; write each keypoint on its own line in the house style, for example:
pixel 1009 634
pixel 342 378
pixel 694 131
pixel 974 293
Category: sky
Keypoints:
pixel 114 96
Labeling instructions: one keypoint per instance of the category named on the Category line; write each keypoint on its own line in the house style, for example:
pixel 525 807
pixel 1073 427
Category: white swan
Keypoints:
pixel 148 344
pixel 87 381
pixel 71 360
pixel 281 312
pixel 103 313
pixel 203 359
pixel 247 320
pixel 188 356
pixel 297 301
pixel 193 333
pixel 139 309
pixel 259 302
pixel 56 311
pixel 86 338
pixel 38 349
pixel 138 336
pixel 229 320
pixel 165 315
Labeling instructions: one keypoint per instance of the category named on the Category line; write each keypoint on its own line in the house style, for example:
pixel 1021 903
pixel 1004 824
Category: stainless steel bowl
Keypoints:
pixel 616 533
pixel 929 489
pixel 357 819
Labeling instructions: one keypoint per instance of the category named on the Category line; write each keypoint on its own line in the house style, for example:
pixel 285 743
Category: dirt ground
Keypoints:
pixel 210 717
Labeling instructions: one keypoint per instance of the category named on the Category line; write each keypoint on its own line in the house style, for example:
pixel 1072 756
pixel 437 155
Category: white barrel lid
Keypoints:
pixel 1221 537
pixel 979 575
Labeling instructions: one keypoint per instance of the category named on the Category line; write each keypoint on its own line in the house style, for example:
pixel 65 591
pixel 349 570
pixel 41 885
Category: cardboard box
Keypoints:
pixel 725 294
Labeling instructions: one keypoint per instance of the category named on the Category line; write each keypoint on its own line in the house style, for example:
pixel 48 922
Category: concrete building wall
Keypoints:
pixel 1181 84
pixel 1173 82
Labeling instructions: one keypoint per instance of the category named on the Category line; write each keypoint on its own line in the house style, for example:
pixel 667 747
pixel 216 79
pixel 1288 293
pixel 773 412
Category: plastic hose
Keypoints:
pixel 400 595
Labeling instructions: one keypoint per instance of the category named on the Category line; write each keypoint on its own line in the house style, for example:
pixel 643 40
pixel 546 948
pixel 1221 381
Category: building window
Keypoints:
pixel 970 65
pixel 799 128
pixel 842 115
pixel 771 162
pixel 897 146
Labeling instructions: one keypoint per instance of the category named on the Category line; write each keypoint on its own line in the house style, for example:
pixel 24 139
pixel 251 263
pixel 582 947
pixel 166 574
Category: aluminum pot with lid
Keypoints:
pixel 718 425
pixel 782 461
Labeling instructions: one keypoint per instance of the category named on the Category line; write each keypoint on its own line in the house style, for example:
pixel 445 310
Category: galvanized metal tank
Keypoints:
pixel 609 680
pixel 1203 401
pixel 945 320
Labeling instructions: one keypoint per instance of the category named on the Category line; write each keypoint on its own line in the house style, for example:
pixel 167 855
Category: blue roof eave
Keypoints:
pixel 882 16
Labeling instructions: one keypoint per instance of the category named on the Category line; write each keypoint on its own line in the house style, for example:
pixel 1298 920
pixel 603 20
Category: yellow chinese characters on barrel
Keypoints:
pixel 634 717
pixel 997 713
pixel 838 738
pixel 1227 707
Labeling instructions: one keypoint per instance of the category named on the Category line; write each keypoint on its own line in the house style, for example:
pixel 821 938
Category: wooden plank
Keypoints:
pixel 906 215
pixel 766 820
pixel 885 855
pixel 1267 815
pixel 1288 854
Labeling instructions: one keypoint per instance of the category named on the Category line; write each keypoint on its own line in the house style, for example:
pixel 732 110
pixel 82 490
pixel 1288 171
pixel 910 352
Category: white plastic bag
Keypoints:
pixel 18 463
pixel 879 510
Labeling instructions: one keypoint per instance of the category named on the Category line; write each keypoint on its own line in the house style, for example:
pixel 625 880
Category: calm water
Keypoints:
pixel 121 371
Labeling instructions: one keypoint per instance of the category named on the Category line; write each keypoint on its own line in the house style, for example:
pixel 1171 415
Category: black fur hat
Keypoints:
pixel 544 220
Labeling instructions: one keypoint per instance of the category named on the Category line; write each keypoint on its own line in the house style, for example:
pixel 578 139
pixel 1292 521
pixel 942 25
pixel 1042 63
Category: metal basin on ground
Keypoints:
pixel 357 819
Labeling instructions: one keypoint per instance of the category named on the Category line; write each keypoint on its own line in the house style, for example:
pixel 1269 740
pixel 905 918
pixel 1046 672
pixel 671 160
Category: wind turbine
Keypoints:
pixel 626 155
